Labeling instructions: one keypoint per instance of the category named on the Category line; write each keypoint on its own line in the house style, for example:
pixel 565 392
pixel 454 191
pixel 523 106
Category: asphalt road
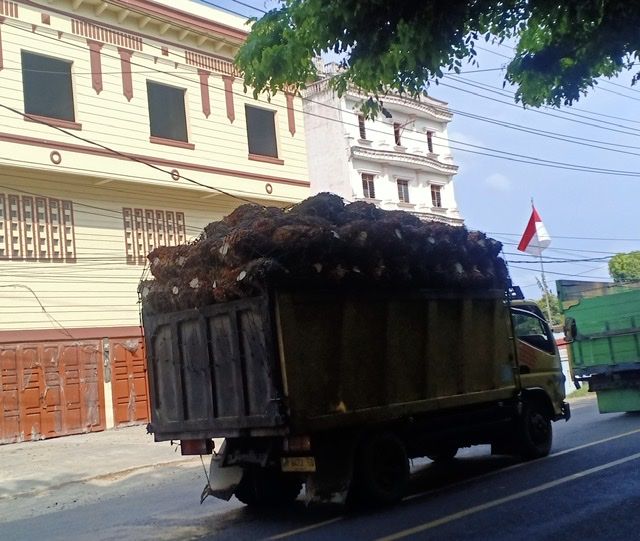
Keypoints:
pixel 588 488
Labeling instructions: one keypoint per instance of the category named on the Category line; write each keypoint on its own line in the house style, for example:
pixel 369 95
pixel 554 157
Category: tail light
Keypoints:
pixel 196 447
pixel 297 444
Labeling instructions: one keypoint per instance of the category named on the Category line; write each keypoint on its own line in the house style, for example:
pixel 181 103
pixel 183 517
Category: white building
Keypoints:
pixel 400 161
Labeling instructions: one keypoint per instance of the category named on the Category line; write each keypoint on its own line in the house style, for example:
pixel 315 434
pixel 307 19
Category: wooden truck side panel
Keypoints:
pixel 352 358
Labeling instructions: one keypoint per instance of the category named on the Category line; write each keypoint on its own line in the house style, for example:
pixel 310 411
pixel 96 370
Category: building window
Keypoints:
pixel 167 117
pixel 368 188
pixel 436 196
pixel 261 131
pixel 36 229
pixel 430 141
pixel 361 127
pixel 396 134
pixel 46 83
pixel 403 191
pixel 146 229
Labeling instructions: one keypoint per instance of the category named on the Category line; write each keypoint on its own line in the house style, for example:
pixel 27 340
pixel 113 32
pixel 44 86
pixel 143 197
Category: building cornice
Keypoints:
pixel 414 160
pixel 427 106
pixel 176 16
pixel 437 112
pixel 163 24
pixel 438 218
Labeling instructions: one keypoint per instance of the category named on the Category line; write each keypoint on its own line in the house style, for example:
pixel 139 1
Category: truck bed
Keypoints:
pixel 319 360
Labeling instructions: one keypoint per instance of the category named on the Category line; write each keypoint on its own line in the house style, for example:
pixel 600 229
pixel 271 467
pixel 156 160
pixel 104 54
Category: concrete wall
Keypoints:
pixel 327 125
pixel 99 289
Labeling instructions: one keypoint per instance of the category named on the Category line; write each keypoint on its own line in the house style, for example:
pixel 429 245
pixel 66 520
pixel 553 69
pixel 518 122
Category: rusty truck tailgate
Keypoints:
pixel 213 372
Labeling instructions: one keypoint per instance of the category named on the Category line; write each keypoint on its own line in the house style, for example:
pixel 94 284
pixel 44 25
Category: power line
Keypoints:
pixel 530 160
pixel 534 131
pixel 239 2
pixel 619 94
pixel 544 112
pixel 571 238
pixel 568 250
pixel 622 86
pixel 508 93
pixel 558 273
pixel 229 10
pixel 463 143
pixel 44 310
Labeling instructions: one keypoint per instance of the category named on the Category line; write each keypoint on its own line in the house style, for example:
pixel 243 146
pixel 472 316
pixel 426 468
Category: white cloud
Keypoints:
pixel 498 182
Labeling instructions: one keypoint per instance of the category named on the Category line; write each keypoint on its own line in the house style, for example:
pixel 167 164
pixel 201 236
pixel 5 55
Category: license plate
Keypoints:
pixel 298 463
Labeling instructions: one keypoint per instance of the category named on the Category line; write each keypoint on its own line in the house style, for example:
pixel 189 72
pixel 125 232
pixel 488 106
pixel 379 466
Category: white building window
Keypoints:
pixel 46 83
pixel 436 196
pixel 167 117
pixel 368 188
pixel 430 141
pixel 361 127
pixel 397 131
pixel 261 131
pixel 403 191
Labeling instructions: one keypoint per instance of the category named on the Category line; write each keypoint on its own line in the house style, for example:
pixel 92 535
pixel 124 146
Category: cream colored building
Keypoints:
pixel 400 161
pixel 124 126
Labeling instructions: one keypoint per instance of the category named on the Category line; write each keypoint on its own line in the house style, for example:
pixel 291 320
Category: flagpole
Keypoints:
pixel 545 288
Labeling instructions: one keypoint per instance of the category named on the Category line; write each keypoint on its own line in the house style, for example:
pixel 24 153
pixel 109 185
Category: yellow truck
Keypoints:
pixel 339 389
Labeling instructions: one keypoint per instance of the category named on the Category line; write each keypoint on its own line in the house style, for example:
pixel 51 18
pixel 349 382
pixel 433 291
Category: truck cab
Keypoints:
pixel 539 361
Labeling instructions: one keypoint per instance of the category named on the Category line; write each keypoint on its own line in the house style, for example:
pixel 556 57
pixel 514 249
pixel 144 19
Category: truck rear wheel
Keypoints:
pixel 534 433
pixel 381 470
pixel 261 487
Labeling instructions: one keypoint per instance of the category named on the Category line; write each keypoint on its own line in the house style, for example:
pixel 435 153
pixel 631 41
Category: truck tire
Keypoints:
pixel 533 431
pixel 261 487
pixel 443 454
pixel 381 470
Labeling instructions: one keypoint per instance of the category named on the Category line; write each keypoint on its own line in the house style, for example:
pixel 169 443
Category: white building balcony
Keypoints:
pixel 408 160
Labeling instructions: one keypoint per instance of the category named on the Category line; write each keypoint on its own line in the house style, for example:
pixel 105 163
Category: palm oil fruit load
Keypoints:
pixel 319 243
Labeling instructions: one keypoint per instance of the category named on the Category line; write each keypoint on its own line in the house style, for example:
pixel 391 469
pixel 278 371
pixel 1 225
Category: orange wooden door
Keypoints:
pixel 129 381
pixel 50 389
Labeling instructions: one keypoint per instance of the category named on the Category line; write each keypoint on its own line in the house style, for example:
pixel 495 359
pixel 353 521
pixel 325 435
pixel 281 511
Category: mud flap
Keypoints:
pixel 223 480
pixel 323 489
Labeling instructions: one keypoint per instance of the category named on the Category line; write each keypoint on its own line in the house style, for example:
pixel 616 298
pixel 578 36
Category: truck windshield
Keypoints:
pixel 533 331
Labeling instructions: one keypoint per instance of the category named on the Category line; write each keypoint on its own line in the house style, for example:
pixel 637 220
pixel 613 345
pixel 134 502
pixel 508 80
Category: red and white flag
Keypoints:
pixel 535 237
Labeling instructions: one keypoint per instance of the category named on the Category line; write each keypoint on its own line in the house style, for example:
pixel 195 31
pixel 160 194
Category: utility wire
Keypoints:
pixel 20 113
pixel 531 160
pixel 44 310
pixel 570 238
pixel 510 94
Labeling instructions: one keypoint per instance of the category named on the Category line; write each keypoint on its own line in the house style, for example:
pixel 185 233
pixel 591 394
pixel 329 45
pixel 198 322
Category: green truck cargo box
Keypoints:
pixel 602 327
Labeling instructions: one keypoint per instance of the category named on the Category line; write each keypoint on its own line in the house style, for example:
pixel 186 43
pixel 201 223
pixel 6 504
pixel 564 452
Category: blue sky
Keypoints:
pixel 588 215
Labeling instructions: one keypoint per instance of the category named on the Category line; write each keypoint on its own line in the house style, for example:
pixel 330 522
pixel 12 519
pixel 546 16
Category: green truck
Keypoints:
pixel 339 389
pixel 602 329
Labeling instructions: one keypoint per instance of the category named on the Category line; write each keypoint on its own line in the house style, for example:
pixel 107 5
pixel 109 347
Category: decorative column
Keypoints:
pixel 96 64
pixel 204 92
pixel 290 113
pixel 228 96
pixel 125 63
pixel 1 60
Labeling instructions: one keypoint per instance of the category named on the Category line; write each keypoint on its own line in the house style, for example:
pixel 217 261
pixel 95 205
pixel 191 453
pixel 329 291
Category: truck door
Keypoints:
pixel 538 357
